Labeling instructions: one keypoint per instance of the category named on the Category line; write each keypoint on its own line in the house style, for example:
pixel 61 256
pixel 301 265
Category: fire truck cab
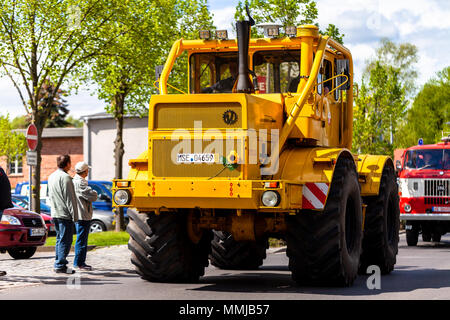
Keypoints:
pixel 424 191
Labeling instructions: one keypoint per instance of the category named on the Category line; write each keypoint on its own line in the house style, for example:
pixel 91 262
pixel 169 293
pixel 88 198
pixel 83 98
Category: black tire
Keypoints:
pixel 228 254
pixel 426 236
pixel 412 234
pixel 96 226
pixel 161 250
pixel 22 253
pixel 382 225
pixel 436 236
pixel 324 248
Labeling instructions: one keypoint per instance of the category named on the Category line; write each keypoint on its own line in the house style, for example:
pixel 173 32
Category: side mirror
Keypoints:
pixel 398 165
pixel 343 67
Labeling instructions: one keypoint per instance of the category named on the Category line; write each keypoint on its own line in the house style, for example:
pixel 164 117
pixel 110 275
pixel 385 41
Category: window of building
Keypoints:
pixel 16 166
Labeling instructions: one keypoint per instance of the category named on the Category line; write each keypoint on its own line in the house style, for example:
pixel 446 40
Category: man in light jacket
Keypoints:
pixel 64 211
pixel 85 197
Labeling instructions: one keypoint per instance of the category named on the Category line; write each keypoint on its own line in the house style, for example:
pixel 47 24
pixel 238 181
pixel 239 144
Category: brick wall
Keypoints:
pixel 51 148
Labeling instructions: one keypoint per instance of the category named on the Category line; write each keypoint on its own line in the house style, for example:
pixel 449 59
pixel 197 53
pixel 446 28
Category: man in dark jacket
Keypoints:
pixel 5 197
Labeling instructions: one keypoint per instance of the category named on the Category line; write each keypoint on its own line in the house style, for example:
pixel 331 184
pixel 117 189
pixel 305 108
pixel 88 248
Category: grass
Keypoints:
pixel 107 238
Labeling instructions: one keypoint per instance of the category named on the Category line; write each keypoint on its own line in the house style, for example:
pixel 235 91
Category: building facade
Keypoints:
pixel 99 131
pixel 55 142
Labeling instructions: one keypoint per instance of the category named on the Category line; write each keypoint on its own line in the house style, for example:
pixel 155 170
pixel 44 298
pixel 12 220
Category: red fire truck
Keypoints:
pixel 424 190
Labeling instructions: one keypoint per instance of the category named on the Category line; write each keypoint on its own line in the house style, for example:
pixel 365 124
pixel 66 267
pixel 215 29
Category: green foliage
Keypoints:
pixel 51 40
pixel 429 114
pixel 72 122
pixel 127 68
pixel 20 122
pixel 286 13
pixel 13 144
pixel 334 33
pixel 379 107
pixel 401 56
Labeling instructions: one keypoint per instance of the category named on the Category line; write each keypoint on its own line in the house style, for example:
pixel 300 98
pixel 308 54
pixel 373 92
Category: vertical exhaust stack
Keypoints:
pixel 243 82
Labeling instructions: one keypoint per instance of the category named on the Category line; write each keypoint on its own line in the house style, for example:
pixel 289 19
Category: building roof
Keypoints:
pixel 58 132
pixel 106 115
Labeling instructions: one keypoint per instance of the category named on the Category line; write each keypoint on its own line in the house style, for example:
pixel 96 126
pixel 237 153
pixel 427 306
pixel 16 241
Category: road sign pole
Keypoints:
pixel 29 187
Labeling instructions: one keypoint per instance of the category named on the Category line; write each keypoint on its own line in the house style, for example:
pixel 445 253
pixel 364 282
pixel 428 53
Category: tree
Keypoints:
pixel 124 73
pixel 284 12
pixel 52 41
pixel 401 56
pixel 379 107
pixel 430 112
pixel 13 145
pixel 58 107
pixel 387 84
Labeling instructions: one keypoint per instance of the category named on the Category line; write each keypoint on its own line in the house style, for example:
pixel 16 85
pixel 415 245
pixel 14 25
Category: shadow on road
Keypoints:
pixel 402 279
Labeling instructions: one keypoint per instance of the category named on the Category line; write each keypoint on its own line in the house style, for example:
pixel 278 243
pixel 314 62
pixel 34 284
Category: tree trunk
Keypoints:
pixel 118 102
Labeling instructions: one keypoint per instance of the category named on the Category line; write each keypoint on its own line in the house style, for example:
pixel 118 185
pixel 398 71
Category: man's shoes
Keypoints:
pixel 65 270
pixel 85 268
pixel 2 273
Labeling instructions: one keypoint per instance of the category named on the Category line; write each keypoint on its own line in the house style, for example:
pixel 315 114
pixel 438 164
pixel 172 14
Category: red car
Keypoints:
pixel 21 232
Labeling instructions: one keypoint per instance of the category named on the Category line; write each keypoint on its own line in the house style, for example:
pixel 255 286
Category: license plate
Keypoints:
pixel 37 232
pixel 196 158
pixel 440 209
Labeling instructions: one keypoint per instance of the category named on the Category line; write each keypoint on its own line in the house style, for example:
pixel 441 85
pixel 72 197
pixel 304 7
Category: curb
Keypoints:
pixel 52 248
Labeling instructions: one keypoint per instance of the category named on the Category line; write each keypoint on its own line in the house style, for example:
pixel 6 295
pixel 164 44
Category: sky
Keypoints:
pixel 424 23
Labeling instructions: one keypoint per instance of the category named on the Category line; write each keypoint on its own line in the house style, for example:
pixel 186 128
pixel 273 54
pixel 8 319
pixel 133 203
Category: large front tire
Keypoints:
pixel 161 249
pixel 229 254
pixel 324 248
pixel 382 225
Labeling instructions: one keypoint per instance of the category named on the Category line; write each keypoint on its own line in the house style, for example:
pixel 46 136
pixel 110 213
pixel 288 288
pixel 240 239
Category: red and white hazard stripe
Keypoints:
pixel 315 195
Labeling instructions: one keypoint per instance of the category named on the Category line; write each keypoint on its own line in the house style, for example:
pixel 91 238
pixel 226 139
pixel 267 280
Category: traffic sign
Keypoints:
pixel 32 137
pixel 32 158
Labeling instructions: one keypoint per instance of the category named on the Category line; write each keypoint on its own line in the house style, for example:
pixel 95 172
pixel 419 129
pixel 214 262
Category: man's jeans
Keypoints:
pixel 82 227
pixel 64 237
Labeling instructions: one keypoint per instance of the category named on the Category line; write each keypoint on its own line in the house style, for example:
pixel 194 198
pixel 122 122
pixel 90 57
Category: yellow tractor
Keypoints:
pixel 259 147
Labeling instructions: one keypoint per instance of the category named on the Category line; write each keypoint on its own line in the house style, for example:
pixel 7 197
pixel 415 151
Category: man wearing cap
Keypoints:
pixel 85 197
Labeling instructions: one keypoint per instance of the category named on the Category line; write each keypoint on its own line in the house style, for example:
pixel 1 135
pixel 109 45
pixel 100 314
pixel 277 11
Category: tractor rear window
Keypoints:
pixel 277 71
pixel 437 159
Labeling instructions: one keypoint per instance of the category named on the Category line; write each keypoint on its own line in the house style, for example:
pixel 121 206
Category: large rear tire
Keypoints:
pixel 324 248
pixel 382 225
pixel 161 250
pixel 228 254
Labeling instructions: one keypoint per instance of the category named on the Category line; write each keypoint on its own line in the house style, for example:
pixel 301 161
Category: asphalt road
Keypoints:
pixel 421 272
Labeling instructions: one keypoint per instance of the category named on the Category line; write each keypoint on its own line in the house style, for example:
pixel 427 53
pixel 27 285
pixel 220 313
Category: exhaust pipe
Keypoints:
pixel 243 82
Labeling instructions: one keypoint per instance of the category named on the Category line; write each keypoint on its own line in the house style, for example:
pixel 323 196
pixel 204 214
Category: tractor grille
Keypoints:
pixel 32 222
pixel 437 188
pixel 164 166
pixel 191 115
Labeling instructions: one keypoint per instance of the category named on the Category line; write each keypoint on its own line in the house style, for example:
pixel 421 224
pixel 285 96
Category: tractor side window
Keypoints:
pixel 277 71
pixel 213 73
pixel 328 74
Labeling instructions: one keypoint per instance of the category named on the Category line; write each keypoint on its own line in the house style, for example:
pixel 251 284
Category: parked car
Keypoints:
pixel 103 188
pixel 102 220
pixel 21 232
pixel 21 202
